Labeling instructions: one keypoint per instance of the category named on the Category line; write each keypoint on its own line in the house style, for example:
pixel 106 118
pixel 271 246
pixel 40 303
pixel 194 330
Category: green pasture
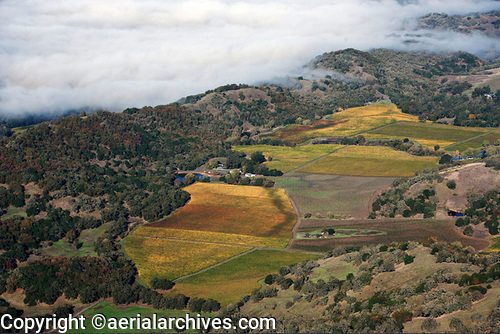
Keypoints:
pixel 228 282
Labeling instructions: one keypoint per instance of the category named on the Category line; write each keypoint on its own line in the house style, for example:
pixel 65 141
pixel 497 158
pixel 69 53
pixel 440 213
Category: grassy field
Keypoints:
pixel 13 212
pixel 370 161
pixel 214 237
pixel 113 311
pixel 345 123
pixel 172 259
pixel 21 129
pixel 426 134
pixel 87 237
pixel 495 247
pixel 255 211
pixel 231 280
pixel 344 196
pixel 396 231
pixel 493 82
pixel 333 266
pixel 286 159
pixel 491 137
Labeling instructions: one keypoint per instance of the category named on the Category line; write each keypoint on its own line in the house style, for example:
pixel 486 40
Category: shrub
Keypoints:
pixel 468 231
pixel 195 304
pixel 451 184
pixel 286 283
pixel 161 283
pixel 402 316
pixel 429 324
pixel 445 159
pixel 457 324
pixel 408 259
pixel 461 222
pixel 479 288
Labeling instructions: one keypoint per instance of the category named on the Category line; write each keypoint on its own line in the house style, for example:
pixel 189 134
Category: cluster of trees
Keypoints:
pixel 254 165
pixel 421 204
pixel 481 209
pixel 13 195
pixel 235 178
pixel 89 159
pixel 481 91
pixel 20 236
pixel 493 162
pixel 162 283
pixel 91 287
pixel 396 201
pixel 89 278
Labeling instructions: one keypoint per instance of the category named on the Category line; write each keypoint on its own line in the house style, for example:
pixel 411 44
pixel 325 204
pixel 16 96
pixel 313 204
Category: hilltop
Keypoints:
pixel 487 23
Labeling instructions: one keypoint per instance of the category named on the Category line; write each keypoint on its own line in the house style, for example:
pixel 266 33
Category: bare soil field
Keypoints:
pixel 396 231
pixel 255 211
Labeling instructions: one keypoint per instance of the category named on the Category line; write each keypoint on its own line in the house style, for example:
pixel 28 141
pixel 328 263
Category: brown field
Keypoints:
pixel 397 231
pixel 255 211
pixel 260 223
pixel 213 237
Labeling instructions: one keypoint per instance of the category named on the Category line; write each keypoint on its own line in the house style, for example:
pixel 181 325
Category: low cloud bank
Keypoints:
pixel 74 54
